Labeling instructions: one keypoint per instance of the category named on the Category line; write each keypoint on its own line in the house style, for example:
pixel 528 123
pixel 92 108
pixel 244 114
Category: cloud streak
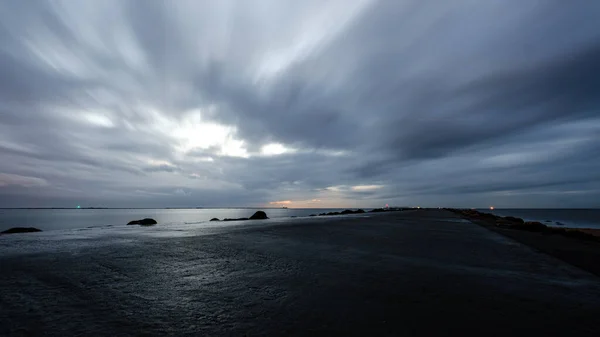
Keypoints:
pixel 348 103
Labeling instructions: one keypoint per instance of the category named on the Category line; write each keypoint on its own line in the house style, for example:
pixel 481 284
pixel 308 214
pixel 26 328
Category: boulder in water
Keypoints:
pixel 16 230
pixel 259 215
pixel 214 219
pixel 143 222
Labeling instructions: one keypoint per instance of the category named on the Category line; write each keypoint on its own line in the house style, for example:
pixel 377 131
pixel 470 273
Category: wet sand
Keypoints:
pixel 414 273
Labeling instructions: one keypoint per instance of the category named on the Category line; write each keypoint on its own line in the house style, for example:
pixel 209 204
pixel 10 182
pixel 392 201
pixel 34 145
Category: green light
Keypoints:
pixel 78 206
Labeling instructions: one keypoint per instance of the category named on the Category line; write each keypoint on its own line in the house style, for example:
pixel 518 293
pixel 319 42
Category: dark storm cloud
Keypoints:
pixel 512 103
pixel 352 103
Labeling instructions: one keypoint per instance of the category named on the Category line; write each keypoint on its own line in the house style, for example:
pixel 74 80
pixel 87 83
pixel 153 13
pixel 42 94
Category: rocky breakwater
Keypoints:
pixel 515 223
pixel 344 212
pixel 360 211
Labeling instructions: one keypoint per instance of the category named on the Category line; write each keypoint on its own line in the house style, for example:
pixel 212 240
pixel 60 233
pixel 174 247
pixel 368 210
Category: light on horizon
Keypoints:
pixel 492 208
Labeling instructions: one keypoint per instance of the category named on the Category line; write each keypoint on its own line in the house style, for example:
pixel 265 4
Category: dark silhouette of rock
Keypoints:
pixel 513 219
pixel 16 230
pixel 344 212
pixel 259 215
pixel 238 219
pixel 488 216
pixel 358 211
pixel 574 233
pixel 214 219
pixel 531 226
pixel 349 211
pixel 143 222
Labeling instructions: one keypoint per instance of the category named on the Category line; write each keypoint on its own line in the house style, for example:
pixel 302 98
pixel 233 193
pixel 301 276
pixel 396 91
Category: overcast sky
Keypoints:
pixel 349 103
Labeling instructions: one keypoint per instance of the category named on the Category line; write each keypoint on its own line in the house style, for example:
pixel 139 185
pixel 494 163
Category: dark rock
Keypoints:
pixel 349 211
pixel 513 219
pixel 214 219
pixel 377 210
pixel 531 226
pixel 16 230
pixel 313 215
pixel 488 216
pixel 293 216
pixel 574 233
pixel 548 221
pixel 259 215
pixel 143 222
pixel 238 219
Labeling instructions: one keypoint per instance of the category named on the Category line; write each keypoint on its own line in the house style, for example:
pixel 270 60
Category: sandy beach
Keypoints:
pixel 412 273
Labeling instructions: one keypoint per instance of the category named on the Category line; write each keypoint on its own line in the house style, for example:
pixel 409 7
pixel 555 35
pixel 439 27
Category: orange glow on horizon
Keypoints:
pixel 283 202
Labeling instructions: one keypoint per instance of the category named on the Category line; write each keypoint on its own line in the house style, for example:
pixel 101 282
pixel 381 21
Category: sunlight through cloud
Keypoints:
pixel 274 149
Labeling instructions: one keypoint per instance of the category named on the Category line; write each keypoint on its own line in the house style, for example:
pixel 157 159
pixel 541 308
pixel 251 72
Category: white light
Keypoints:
pixel 274 149
pixel 366 187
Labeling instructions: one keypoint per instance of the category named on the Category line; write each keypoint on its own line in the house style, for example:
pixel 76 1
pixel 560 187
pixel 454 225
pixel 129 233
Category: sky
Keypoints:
pixel 338 103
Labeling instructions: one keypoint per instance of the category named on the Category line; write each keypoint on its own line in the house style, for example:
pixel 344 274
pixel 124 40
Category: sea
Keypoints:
pixel 575 218
pixel 65 219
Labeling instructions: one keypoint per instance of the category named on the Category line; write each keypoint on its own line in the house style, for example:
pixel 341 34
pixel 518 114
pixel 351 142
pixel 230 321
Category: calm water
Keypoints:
pixel 580 218
pixel 53 219
pixel 59 219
